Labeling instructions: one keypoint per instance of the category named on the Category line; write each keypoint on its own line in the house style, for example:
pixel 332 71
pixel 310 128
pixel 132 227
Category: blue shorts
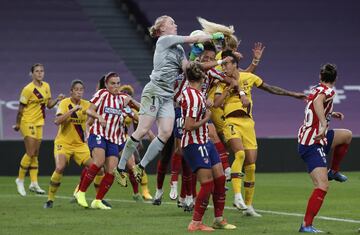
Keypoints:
pixel 178 127
pixel 121 146
pixel 97 141
pixel 315 155
pixel 201 156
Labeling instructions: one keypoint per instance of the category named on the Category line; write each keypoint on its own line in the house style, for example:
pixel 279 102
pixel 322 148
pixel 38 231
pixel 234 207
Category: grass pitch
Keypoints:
pixel 281 198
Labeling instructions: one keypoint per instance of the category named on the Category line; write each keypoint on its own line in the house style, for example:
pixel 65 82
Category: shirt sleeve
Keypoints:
pixel 98 97
pixel 25 96
pixel 169 40
pixel 49 92
pixel 257 81
pixel 61 108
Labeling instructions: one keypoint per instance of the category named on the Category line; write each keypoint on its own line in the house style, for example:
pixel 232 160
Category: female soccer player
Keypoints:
pixel 106 109
pixel 30 119
pixel 201 154
pixel 316 141
pixel 70 140
pixel 156 100
pixel 239 130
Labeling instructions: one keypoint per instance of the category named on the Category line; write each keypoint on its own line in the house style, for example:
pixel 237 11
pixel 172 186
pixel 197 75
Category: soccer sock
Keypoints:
pixel 153 150
pixel 175 166
pixel 314 205
pixel 133 182
pixel 236 169
pixel 55 182
pixel 24 166
pixel 219 195
pixel 249 183
pixel 193 184
pixel 88 177
pixel 202 200
pixel 97 181
pixel 161 171
pixel 186 178
pixel 339 154
pixel 129 149
pixel 105 185
pixel 224 155
pixel 34 169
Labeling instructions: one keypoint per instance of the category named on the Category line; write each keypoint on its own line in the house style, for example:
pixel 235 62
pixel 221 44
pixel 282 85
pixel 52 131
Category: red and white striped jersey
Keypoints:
pixel 110 107
pixel 211 76
pixel 193 105
pixel 181 83
pixel 311 125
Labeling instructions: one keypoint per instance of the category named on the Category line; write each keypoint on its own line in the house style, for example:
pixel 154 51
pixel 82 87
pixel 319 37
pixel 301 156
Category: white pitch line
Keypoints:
pixel 226 207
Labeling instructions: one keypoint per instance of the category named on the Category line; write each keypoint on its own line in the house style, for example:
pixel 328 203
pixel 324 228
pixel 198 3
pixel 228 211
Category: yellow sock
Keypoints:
pixel 249 183
pixel 24 166
pixel 55 182
pixel 97 181
pixel 144 183
pixel 34 169
pixel 236 170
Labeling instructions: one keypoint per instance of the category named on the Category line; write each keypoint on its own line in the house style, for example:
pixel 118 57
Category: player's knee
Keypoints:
pixel 323 185
pixel 348 136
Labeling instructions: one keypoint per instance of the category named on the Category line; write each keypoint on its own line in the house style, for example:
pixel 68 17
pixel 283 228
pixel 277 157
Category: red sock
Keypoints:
pixel 193 184
pixel 314 204
pixel 133 182
pixel 224 155
pixel 202 200
pixel 219 195
pixel 88 177
pixel 186 178
pixel 105 185
pixel 175 166
pixel 339 154
pixel 161 171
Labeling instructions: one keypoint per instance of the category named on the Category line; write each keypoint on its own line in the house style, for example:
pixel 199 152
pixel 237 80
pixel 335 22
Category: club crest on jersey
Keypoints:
pixel 113 111
pixel 194 109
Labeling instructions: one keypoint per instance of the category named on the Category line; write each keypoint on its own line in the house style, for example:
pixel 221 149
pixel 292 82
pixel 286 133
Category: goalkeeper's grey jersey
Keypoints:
pixel 167 61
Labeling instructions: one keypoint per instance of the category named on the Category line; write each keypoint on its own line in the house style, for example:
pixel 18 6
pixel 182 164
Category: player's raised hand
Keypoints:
pixel 245 101
pixel 337 115
pixel 258 50
pixel 209 103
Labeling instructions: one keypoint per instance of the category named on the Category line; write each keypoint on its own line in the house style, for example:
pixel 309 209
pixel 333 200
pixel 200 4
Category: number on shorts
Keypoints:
pixel 153 100
pixel 321 152
pixel 203 151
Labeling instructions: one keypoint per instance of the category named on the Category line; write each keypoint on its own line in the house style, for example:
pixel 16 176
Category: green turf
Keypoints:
pixel 286 192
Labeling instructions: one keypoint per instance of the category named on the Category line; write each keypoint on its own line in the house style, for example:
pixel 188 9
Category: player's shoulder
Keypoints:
pixel 29 87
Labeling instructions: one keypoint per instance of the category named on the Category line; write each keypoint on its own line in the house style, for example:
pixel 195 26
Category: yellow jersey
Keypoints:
pixel 218 57
pixel 35 99
pixel 232 102
pixel 72 131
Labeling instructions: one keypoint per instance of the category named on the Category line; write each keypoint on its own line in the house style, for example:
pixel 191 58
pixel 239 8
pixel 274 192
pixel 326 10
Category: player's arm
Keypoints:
pixel 280 91
pixel 337 115
pixel 52 102
pixel 91 111
pixel 190 123
pixel 257 54
pixel 134 104
pixel 320 112
pixel 220 97
pixel 19 115
pixel 61 118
